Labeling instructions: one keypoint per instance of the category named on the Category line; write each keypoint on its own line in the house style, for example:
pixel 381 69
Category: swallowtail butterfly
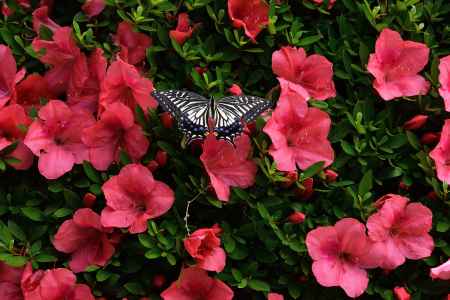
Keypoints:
pixel 198 116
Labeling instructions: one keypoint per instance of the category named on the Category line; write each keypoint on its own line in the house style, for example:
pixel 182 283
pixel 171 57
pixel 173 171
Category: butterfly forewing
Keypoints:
pixel 231 112
pixel 190 110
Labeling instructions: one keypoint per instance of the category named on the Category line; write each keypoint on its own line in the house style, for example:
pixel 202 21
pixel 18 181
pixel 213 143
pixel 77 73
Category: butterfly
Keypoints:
pixel 198 116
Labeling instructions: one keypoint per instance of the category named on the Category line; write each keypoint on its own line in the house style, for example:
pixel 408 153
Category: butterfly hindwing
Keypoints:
pixel 231 112
pixel 188 108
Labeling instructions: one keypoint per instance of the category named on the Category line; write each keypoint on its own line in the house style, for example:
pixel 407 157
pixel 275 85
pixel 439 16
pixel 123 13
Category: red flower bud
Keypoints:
pixel 403 186
pixel 302 279
pixel 415 122
pixel 401 293
pixel 6 11
pixel 432 196
pixel 166 120
pixel 89 199
pixel 235 90
pixel 331 175
pixel 291 178
pixel 297 217
pixel 159 281
pixel 201 70
pixel 161 158
pixel 306 192
pixel 152 165
pixel 430 138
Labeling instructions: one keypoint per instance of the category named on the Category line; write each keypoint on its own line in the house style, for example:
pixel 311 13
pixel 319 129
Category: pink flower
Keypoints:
pixel 401 293
pixel 293 98
pixel 204 246
pixel 55 137
pixel 253 15
pixel 398 231
pixel 415 122
pixel 395 65
pixel 40 17
pixel 297 217
pixel 194 283
pixel 54 284
pixel 133 197
pixel 275 296
pixel 62 54
pixel 10 282
pixel 93 8
pixel 441 271
pixel 86 239
pixel 299 141
pixel 444 80
pixel 313 73
pixel 227 165
pixel 183 30
pixel 31 90
pixel 133 44
pixel 337 252
pixel 115 131
pixel 235 90
pixel 123 83
pixel 441 154
pixel 13 124
pixel 8 75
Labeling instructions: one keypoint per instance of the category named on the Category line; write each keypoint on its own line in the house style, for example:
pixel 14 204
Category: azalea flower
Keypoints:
pixel 228 166
pixel 299 141
pixel 133 44
pixel 84 86
pixel 275 296
pixel 398 231
pixel 444 80
pixel 183 30
pixel 396 64
pixel 204 246
pixel 13 124
pixel 193 284
pixel 54 284
pixel 31 90
pixel 62 54
pixel 10 282
pixel 313 73
pixel 441 154
pixel 93 8
pixel 235 90
pixel 441 272
pixel 253 15
pixel 114 132
pixel 401 293
pixel 9 76
pixel 86 239
pixel 55 137
pixel 133 197
pixel 40 17
pixel 338 252
pixel 123 83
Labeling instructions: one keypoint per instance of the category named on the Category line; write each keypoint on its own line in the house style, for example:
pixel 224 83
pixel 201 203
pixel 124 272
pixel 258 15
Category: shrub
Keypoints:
pixel 343 184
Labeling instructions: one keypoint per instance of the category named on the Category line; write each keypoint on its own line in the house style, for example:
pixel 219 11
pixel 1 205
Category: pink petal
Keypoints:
pixel 322 243
pixel 354 280
pixel 160 200
pixel 444 80
pixel 81 292
pixel 214 262
pixel 70 237
pixel 135 142
pixel 441 271
pixel 286 61
pixel 327 271
pixel 415 246
pixel 417 219
pixel 317 77
pixel 441 154
pixel 93 7
pixel 402 87
pixel 118 218
pixel 352 236
pixel 55 162
pixel 87 218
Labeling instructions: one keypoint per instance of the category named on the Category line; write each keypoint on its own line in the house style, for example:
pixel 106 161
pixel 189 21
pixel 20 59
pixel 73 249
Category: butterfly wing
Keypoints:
pixel 188 108
pixel 231 112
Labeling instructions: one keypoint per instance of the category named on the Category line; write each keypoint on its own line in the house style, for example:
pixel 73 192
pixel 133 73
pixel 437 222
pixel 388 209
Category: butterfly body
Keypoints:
pixel 198 116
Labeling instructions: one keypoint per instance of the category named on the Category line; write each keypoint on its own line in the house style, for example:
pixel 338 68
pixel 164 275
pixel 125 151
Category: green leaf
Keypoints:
pixel 366 183
pixel 33 213
pixel 13 261
pixel 16 231
pixel 312 170
pixel 90 172
pixel 259 285
pixel 135 288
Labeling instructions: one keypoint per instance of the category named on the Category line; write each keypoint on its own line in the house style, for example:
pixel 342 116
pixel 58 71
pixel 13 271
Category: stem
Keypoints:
pixel 186 216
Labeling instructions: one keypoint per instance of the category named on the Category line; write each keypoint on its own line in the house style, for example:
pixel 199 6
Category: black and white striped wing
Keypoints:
pixel 231 112
pixel 188 108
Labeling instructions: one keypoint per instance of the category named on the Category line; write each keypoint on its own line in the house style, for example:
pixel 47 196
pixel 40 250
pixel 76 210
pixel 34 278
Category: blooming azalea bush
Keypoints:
pixel 339 191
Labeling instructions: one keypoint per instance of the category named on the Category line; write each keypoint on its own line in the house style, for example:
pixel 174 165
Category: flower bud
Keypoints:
pixel 331 175
pixel 415 122
pixel 235 90
pixel 161 158
pixel 89 199
pixel 401 293
pixel 307 190
pixel 159 281
pixel 152 165
pixel 430 138
pixel 291 177
pixel 297 217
